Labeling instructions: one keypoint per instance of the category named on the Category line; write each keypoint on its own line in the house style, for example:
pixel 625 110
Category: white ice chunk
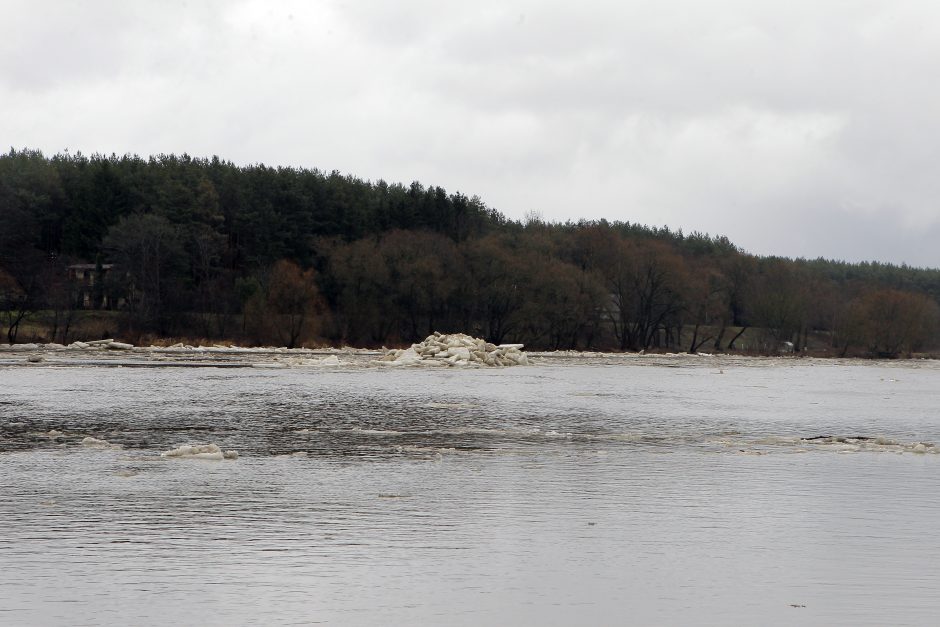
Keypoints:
pixel 200 451
pixel 409 356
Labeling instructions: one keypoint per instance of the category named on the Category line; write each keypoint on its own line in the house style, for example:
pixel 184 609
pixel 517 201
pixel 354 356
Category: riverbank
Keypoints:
pixel 109 352
pixel 97 325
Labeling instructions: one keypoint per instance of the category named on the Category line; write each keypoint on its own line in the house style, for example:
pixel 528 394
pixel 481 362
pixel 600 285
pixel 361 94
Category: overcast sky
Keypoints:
pixel 799 128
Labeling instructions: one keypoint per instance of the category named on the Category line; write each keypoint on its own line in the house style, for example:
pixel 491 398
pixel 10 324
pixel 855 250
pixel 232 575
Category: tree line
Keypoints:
pixel 202 248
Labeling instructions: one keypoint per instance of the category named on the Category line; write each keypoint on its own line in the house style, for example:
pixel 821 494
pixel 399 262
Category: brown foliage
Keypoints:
pixel 897 321
pixel 286 309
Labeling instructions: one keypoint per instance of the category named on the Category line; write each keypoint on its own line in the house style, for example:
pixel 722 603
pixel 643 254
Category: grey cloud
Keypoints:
pixel 732 117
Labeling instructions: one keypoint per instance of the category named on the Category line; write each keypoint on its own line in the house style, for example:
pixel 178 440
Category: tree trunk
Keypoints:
pixel 694 339
pixel 735 338
pixel 721 335
pixel 693 347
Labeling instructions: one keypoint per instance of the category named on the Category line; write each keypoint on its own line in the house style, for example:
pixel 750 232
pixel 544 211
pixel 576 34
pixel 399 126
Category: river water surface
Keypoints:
pixel 684 491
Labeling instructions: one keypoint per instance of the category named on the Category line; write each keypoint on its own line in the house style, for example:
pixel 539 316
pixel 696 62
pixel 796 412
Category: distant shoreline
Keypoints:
pixel 230 356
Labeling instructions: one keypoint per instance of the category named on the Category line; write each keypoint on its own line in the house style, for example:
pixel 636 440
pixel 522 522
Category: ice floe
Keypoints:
pixel 865 443
pixel 302 362
pixel 831 443
pixel 199 451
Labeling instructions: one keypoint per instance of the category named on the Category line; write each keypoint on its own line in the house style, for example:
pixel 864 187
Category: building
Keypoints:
pixel 88 281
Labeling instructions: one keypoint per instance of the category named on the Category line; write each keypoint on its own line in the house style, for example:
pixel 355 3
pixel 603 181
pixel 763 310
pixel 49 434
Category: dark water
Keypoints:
pixel 684 491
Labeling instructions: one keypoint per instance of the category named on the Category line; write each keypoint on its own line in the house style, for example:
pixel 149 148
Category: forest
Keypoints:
pixel 205 250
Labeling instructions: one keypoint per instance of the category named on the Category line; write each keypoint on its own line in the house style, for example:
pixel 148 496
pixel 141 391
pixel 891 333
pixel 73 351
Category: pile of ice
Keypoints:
pixel 458 349
pixel 200 451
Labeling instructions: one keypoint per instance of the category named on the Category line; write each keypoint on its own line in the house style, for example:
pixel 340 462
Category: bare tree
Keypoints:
pixel 16 304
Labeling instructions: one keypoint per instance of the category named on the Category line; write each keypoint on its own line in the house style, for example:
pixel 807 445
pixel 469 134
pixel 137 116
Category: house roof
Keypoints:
pixel 90 266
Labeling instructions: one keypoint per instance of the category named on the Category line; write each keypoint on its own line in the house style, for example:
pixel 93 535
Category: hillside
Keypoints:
pixel 185 247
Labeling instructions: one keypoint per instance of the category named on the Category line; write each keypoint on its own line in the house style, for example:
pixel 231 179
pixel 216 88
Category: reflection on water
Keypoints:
pixel 560 494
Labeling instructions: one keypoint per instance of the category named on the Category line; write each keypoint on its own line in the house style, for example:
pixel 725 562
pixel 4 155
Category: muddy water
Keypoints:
pixel 669 491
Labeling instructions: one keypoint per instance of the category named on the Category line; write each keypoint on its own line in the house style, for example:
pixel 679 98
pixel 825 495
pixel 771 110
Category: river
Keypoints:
pixel 660 491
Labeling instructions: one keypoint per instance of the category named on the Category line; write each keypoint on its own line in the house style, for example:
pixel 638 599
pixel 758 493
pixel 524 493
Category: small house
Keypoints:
pixel 88 281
